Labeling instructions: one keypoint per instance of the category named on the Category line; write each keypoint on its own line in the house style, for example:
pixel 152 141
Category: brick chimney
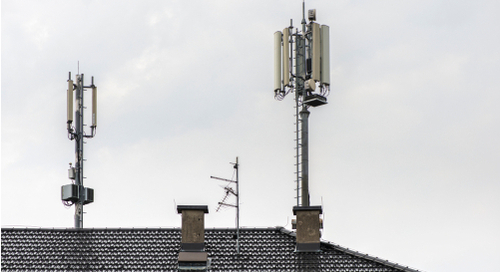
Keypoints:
pixel 192 253
pixel 308 228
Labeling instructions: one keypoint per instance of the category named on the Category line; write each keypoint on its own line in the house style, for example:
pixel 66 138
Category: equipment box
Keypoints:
pixel 69 193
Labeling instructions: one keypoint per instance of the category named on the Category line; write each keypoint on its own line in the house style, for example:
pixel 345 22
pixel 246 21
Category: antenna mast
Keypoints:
pixel 229 190
pixel 76 193
pixel 308 51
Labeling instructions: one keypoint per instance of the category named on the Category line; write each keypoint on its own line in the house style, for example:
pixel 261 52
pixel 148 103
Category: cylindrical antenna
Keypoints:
pixel 94 104
pixel 316 52
pixel 277 60
pixel 303 14
pixel 286 57
pixel 325 55
pixel 70 100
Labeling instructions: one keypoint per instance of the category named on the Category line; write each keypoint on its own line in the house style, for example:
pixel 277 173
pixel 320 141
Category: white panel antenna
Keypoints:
pixel 286 57
pixel 316 52
pixel 70 101
pixel 277 60
pixel 325 55
pixel 94 106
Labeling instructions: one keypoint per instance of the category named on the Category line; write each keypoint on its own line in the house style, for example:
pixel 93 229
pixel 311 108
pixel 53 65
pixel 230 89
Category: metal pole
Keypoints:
pixel 304 113
pixel 304 116
pixel 297 139
pixel 236 166
pixel 79 152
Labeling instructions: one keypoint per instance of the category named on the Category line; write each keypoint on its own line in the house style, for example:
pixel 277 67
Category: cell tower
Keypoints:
pixel 76 193
pixel 230 191
pixel 302 67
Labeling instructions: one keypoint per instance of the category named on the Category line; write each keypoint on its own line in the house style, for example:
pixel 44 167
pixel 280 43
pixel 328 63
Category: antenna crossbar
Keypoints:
pixel 225 204
pixel 223 179
pixel 230 190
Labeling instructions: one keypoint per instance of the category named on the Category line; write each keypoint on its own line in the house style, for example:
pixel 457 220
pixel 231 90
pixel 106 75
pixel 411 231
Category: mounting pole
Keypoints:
pixel 304 116
pixel 237 208
pixel 79 151
pixel 304 142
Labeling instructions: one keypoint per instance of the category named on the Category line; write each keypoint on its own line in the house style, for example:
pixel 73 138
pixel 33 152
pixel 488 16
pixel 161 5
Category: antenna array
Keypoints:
pixel 76 193
pixel 302 67
pixel 230 191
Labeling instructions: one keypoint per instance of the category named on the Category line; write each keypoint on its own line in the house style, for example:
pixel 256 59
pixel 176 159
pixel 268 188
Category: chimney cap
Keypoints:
pixel 203 208
pixel 307 208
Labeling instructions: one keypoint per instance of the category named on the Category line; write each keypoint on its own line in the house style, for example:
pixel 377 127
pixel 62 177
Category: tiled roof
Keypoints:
pixel 271 249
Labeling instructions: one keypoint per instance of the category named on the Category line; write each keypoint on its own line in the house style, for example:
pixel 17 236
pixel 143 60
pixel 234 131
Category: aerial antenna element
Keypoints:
pixel 230 191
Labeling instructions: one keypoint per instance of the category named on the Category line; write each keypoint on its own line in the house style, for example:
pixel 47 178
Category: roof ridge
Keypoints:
pixel 285 231
pixel 244 228
pixel 86 229
pixel 127 228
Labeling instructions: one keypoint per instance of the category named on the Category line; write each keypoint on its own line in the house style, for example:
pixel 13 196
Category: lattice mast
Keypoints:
pixel 76 193
pixel 302 67
pixel 228 192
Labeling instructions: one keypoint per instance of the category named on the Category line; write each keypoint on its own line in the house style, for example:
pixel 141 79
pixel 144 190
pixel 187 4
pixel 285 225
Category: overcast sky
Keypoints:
pixel 404 158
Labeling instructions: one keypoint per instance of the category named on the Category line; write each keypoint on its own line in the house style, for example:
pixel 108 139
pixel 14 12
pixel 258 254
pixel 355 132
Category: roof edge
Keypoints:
pixel 84 229
pixel 356 253
pixel 133 228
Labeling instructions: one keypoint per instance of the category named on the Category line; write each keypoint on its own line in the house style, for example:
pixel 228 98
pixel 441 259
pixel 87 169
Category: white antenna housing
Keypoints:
pixel 70 101
pixel 310 84
pixel 277 60
pixel 316 52
pixel 94 106
pixel 325 55
pixel 286 57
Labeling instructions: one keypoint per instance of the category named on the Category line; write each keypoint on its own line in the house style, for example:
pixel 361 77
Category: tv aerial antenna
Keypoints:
pixel 76 193
pixel 229 190
pixel 302 67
